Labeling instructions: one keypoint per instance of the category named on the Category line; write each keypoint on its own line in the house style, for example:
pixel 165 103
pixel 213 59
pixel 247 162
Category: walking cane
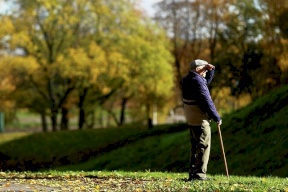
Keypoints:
pixel 223 151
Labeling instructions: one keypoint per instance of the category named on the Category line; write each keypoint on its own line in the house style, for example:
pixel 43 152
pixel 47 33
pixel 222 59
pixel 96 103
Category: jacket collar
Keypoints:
pixel 194 74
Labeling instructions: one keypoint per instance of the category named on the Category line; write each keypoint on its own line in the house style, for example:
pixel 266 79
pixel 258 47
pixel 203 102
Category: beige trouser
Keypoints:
pixel 200 138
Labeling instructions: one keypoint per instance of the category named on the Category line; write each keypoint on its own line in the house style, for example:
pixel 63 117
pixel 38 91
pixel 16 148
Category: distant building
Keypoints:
pixel 176 115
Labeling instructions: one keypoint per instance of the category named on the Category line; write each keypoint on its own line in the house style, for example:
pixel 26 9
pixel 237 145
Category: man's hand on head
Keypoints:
pixel 210 67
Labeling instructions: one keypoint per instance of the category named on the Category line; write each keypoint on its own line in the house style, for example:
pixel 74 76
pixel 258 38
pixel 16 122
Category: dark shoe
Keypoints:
pixel 190 179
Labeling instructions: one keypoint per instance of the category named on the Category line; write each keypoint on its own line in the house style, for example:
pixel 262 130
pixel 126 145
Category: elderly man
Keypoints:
pixel 199 110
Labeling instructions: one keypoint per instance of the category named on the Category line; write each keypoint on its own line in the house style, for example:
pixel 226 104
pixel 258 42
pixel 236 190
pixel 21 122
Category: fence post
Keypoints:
pixel 2 122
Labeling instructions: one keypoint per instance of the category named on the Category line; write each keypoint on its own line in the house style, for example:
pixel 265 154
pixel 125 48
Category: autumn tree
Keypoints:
pixel 275 39
pixel 6 86
pixel 193 27
pixel 144 50
pixel 80 53
pixel 183 22
pixel 247 60
pixel 236 36
pixel 44 31
pixel 153 78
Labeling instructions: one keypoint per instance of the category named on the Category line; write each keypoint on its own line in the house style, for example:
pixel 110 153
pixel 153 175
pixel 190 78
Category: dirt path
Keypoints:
pixel 15 186
pixel 93 184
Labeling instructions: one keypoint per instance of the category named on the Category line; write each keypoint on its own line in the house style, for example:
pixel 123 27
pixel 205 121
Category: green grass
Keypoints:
pixel 255 140
pixel 141 181
pixel 45 150
pixel 6 137
pixel 156 153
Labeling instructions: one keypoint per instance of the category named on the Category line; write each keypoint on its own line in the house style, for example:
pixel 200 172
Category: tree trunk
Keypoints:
pixel 123 108
pixel 91 122
pixel 114 116
pixel 54 120
pixel 81 120
pixel 150 124
pixel 64 119
pixel 149 119
pixel 44 122
pixel 101 119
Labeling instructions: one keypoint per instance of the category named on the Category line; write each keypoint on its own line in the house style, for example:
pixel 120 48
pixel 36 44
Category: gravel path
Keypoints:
pixel 15 186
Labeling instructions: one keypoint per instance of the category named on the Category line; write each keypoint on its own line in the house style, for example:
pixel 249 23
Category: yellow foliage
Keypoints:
pixel 118 65
pixel 97 44
pixel 12 64
pixel 6 105
pixel 283 63
pixel 80 64
pixel 6 87
pixel 48 4
pixel 98 59
pixel 283 58
pixel 227 103
pixel 6 26
pixel 100 9
pixel 105 90
pixel 74 65
pixel 22 39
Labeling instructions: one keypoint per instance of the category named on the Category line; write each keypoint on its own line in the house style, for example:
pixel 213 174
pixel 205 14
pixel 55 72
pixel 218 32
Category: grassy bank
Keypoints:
pixel 47 150
pixel 255 140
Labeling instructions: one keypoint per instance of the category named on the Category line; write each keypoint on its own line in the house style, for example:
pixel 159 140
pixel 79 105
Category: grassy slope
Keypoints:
pixel 255 140
pixel 47 150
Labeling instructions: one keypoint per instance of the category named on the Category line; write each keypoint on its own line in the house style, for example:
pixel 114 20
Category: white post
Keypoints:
pixel 155 115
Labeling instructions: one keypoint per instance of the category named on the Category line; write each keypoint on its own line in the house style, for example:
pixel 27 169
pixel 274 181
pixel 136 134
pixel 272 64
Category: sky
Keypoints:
pixel 4 6
pixel 146 5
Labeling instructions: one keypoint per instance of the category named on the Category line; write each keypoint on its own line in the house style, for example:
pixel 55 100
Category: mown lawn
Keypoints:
pixel 135 181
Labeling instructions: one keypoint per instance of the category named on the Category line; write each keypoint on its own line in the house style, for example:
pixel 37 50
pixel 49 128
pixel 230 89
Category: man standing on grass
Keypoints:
pixel 199 109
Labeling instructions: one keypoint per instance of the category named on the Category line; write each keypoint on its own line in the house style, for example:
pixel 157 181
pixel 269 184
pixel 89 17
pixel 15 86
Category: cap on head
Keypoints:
pixel 196 63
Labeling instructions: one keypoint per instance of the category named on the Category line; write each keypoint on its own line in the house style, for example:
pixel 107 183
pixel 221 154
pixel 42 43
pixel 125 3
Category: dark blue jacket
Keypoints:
pixel 194 87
